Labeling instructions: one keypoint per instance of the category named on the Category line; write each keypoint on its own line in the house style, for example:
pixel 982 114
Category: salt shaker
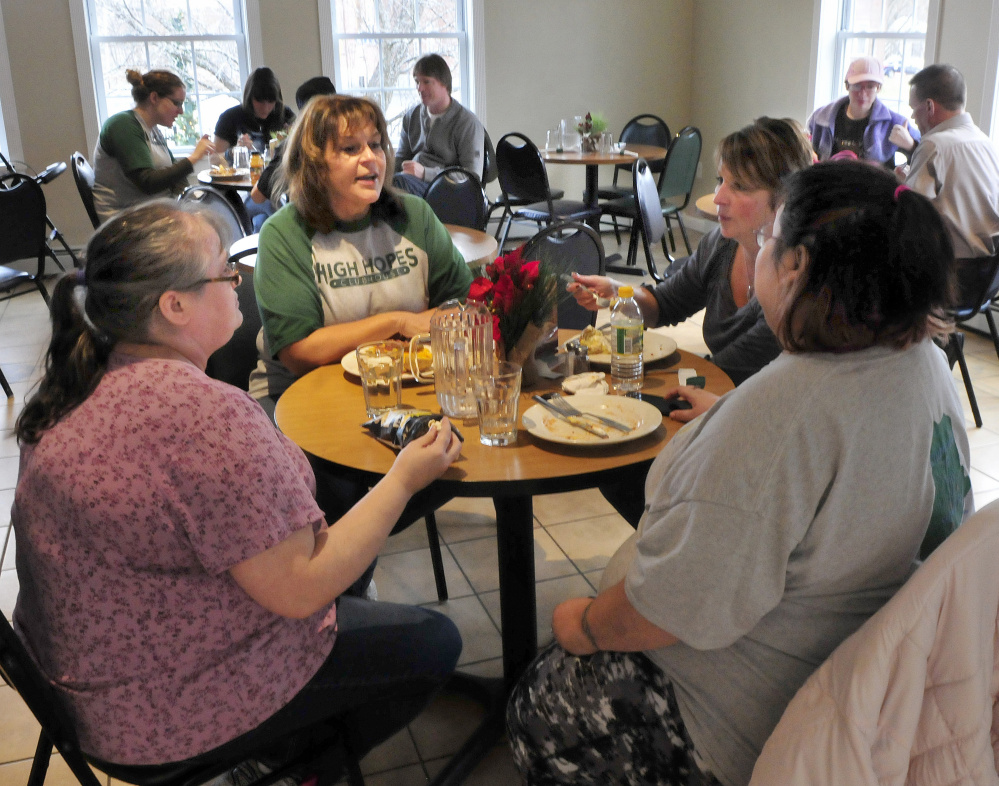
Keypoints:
pixel 576 358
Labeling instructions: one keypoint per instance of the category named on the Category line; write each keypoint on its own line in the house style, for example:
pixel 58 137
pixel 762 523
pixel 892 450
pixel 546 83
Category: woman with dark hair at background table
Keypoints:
pixel 179 585
pixel 781 519
pixel 261 113
pixel 132 162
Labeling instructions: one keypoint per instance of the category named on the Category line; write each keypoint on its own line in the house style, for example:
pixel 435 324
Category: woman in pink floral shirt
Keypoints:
pixel 178 583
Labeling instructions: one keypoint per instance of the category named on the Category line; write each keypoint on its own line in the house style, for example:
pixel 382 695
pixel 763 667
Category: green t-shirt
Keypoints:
pixel 305 280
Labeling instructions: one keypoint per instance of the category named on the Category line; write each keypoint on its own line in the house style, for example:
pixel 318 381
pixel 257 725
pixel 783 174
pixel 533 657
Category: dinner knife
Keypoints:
pixel 572 420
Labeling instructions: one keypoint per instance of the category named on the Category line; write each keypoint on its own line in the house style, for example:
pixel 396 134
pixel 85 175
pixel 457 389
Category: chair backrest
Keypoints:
pixel 977 284
pixel 456 197
pixel 522 173
pixel 214 200
pixel 489 170
pixel 650 210
pixel 680 168
pixel 19 671
pixel 645 130
pixel 233 362
pixel 23 230
pixel 83 174
pixel 569 246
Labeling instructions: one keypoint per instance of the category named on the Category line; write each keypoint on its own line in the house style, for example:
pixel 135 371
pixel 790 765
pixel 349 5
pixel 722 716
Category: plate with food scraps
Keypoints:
pixel 655 346
pixel 424 357
pixel 642 417
pixel 225 174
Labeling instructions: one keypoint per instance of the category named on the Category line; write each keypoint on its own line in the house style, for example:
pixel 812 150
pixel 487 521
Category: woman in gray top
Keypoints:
pixel 718 276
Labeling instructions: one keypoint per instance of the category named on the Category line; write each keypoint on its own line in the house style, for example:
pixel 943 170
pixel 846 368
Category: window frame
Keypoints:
pixel 10 133
pixel 249 50
pixel 472 62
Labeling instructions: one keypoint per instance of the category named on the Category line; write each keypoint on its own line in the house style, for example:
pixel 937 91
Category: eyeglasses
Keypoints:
pixel 865 87
pixel 179 104
pixel 235 279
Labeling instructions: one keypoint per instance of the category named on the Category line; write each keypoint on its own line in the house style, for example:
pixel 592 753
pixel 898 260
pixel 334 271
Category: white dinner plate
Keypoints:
pixel 349 363
pixel 642 416
pixel 655 346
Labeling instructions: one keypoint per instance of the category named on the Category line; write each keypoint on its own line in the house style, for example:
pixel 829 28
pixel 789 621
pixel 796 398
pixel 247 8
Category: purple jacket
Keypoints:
pixel 876 144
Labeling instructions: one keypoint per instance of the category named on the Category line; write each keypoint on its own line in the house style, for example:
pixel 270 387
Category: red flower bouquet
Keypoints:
pixel 519 293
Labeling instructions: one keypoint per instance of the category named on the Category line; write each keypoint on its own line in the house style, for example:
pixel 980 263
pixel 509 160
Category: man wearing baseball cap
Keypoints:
pixel 858 122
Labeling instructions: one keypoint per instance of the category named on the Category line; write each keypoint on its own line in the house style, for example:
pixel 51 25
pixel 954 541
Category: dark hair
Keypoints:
pixel 762 154
pixel 435 67
pixel 163 83
pixel 132 259
pixel 879 267
pixel 317 86
pixel 262 85
pixel 303 167
pixel 942 83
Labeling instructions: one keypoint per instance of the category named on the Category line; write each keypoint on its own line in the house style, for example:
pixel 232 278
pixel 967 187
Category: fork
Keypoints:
pixel 563 403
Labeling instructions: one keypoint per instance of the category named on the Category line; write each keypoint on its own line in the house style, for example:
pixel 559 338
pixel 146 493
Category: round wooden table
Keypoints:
pixel 592 162
pixel 706 204
pixel 322 413
pixel 473 244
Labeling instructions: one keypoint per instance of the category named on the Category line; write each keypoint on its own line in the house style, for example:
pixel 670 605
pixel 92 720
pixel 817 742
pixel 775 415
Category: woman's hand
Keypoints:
pixel 245 140
pixel 586 290
pixel 412 324
pixel 900 136
pixel 205 147
pixel 567 625
pixel 701 401
pixel 427 458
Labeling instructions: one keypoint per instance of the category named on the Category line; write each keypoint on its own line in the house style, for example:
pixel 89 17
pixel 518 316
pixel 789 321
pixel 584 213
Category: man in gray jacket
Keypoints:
pixel 436 133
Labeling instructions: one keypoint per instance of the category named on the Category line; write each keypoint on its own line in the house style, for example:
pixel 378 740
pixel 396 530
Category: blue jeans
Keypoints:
pixel 411 184
pixel 388 662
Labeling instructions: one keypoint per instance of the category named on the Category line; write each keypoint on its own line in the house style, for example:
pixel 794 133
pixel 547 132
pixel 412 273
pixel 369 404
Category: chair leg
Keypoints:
pixel 957 349
pixel 632 259
pixel 992 328
pixel 436 558
pixel 6 385
pixel 505 231
pixel 40 764
pixel 617 230
pixel 683 231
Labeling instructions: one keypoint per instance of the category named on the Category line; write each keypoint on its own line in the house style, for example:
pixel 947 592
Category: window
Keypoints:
pixel 376 43
pixel 202 41
pixel 894 31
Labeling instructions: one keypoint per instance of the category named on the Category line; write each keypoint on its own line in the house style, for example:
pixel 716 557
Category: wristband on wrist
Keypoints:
pixel 585 625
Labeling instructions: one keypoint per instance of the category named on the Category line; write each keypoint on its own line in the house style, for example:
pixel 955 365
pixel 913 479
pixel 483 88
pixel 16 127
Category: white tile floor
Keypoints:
pixel 575 534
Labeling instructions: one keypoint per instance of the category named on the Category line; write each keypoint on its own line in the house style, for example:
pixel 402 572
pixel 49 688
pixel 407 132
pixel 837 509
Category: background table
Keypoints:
pixel 473 245
pixel 592 162
pixel 706 204
pixel 322 412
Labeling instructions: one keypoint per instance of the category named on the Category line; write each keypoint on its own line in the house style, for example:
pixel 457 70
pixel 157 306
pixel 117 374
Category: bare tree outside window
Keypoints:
pixel 894 31
pixel 379 41
pixel 202 41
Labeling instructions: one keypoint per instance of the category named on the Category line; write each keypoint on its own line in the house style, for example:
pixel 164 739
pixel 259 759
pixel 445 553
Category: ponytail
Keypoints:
pixel 74 364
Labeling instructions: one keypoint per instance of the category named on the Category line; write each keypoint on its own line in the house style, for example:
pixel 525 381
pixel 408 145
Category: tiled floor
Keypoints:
pixel 575 534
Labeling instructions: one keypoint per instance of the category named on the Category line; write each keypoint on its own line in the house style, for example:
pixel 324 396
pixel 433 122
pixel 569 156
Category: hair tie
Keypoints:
pixel 901 189
pixel 80 278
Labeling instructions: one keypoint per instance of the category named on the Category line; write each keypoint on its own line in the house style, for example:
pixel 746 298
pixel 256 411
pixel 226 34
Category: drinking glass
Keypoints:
pixel 606 142
pixel 241 158
pixel 380 366
pixel 553 140
pixel 497 395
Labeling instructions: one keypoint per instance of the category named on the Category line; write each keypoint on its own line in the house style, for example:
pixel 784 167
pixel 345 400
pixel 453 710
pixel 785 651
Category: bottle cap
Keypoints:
pixel 626 291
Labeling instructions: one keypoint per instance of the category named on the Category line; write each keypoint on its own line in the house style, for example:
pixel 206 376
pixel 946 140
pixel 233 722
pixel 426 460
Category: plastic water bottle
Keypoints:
pixel 626 342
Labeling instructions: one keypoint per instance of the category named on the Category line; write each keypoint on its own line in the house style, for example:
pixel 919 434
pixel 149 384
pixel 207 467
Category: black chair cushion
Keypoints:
pixel 564 209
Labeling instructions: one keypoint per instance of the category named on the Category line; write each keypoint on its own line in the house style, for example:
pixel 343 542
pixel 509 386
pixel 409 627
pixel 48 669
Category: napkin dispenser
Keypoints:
pixel 461 339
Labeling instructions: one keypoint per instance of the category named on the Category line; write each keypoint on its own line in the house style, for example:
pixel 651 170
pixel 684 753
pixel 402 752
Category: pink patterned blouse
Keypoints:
pixel 128 514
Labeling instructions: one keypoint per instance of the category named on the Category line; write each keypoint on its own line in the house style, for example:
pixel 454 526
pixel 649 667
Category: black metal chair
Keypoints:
pixel 675 183
pixel 490 172
pixel 322 747
pixel 216 201
pixel 524 181
pixel 456 197
pixel 233 362
pixel 978 287
pixel 569 246
pixel 83 174
pixel 23 232
pixel 641 130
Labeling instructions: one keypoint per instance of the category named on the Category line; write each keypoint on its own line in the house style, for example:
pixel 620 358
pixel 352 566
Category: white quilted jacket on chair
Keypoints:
pixel 910 698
